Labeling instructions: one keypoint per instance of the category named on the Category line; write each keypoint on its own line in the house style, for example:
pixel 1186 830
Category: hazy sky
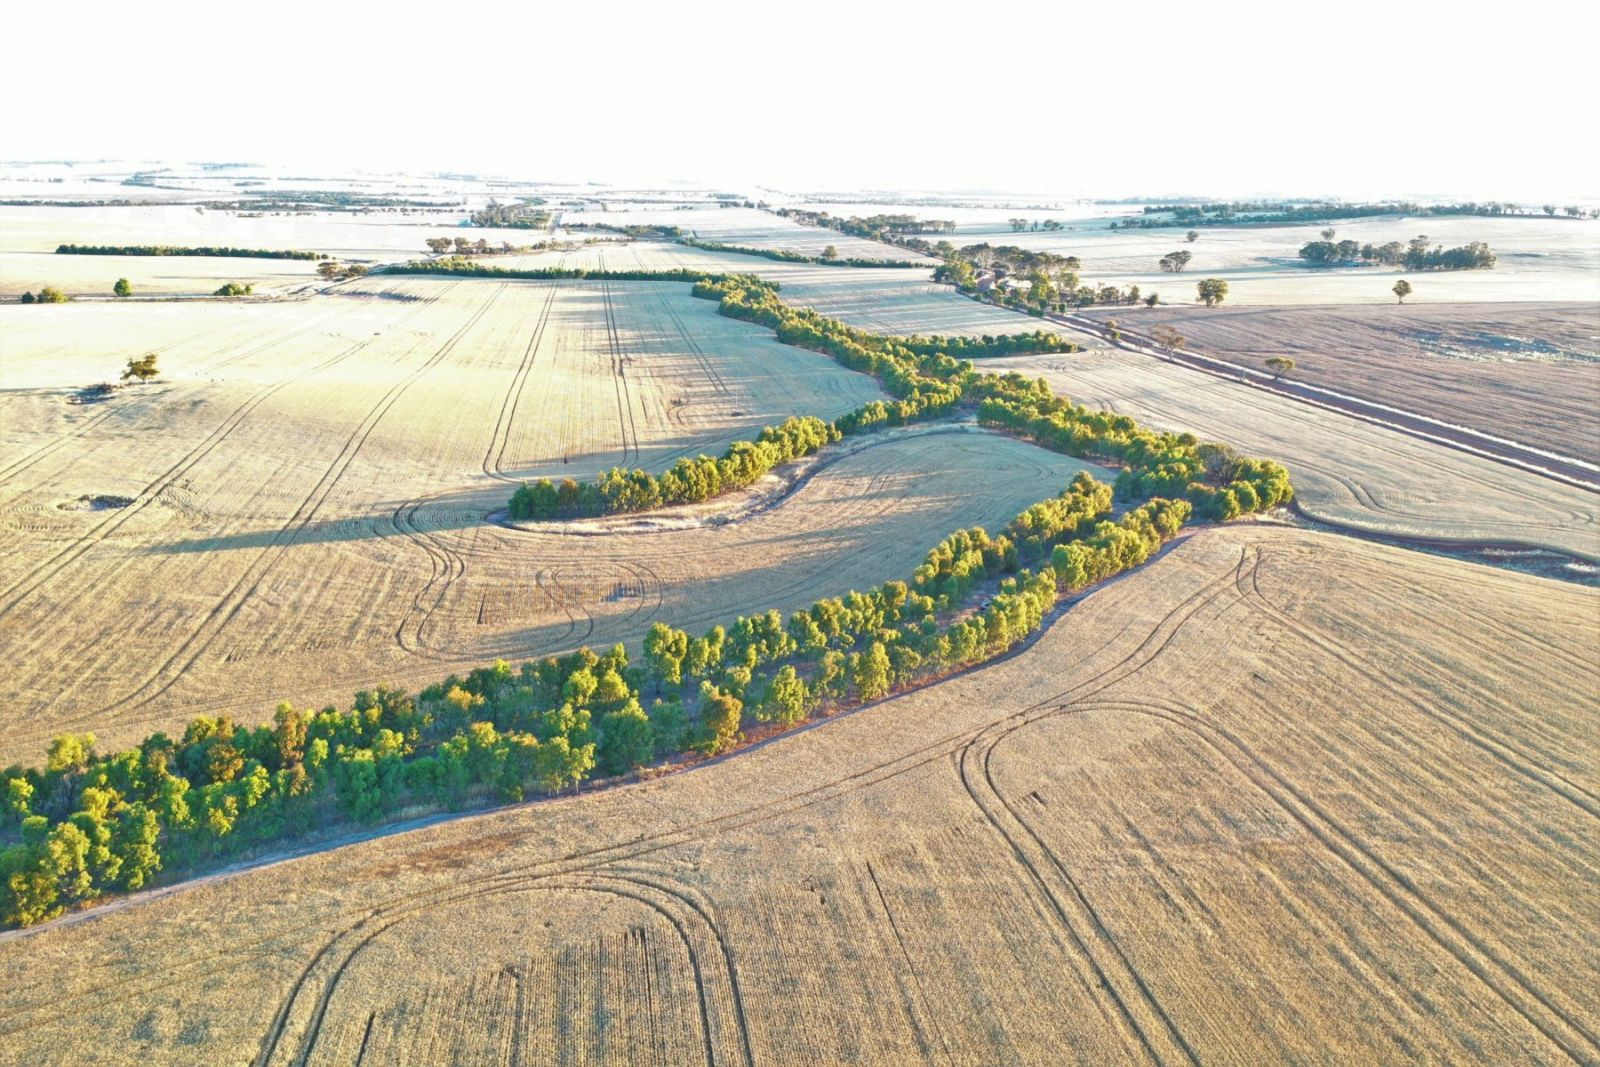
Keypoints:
pixel 1348 98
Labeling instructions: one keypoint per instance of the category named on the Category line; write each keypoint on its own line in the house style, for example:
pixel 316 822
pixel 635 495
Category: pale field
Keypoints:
pixel 1344 470
pixel 30 235
pixel 1539 260
pixel 310 482
pixel 748 226
pixel 1527 371
pixel 1277 797
pixel 891 300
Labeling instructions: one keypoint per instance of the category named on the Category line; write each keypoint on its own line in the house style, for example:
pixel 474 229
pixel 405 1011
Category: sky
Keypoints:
pixel 1351 99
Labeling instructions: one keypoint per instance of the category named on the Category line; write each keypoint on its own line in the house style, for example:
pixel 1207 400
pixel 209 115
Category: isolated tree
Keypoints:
pixel 122 288
pixel 439 245
pixel 51 295
pixel 330 270
pixel 1280 365
pixel 141 368
pixel 1327 235
pixel 1549 209
pixel 1167 337
pixel 1212 291
pixel 830 252
pixel 1402 289
pixel 1174 262
pixel 27 298
pixel 1192 236
pixel 1152 300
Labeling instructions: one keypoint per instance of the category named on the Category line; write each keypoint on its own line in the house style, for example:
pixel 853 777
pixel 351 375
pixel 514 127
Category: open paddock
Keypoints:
pixel 1345 470
pixel 1527 372
pixel 305 492
pixel 1278 797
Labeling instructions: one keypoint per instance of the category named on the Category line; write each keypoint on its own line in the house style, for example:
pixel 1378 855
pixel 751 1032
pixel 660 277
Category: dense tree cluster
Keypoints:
pixel 235 289
pixel 48 294
pixel 522 215
pixel 1414 255
pixel 179 250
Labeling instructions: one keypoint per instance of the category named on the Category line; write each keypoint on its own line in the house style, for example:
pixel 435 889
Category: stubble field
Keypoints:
pixel 1345 471
pixel 1522 371
pixel 1277 797
pixel 304 498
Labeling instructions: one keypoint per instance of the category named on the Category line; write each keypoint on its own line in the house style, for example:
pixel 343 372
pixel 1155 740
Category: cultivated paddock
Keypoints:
pixel 1278 797
pixel 304 495
pixel 1345 471
pixel 1523 371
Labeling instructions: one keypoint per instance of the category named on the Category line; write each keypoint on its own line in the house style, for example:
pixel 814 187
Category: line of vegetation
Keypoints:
pixel 900 230
pixel 638 231
pixel 461 266
pixel 48 294
pixel 992 273
pixel 1279 212
pixel 179 250
pixel 829 258
pixel 87 824
pixel 1414 255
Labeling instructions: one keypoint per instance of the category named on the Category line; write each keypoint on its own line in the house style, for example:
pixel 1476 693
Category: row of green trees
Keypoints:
pixel 1414 255
pixel 517 216
pixel 830 256
pixel 179 250
pixel 48 294
pixel 1279 212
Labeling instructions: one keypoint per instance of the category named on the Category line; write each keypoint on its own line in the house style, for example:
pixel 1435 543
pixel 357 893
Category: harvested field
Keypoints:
pixel 1540 260
pixel 1521 371
pixel 1278 797
pixel 750 227
pixel 891 300
pixel 30 235
pixel 1345 471
pixel 306 491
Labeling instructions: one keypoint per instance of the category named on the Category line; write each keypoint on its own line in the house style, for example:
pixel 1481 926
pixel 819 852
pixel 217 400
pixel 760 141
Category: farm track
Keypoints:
pixel 152 687
pixel 494 457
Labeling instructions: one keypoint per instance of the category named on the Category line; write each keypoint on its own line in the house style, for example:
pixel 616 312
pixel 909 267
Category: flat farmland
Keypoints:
pixel 750 227
pixel 891 300
pixel 1277 797
pixel 1521 371
pixel 1540 260
pixel 298 509
pixel 1345 471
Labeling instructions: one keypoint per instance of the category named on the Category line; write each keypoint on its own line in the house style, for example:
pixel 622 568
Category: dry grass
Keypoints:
pixel 309 490
pixel 1277 797
pixel 1524 371
pixel 1345 471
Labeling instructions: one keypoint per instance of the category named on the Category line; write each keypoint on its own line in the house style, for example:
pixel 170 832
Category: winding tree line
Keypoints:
pixel 87 824
pixel 179 250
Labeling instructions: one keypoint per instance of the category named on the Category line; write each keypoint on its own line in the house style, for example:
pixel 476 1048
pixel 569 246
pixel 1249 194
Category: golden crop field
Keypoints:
pixel 1346 471
pixel 1277 797
pixel 306 492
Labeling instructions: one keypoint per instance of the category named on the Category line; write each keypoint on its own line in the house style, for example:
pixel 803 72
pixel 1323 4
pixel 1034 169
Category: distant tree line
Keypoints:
pixel 1414 255
pixel 460 266
pixel 178 250
pixel 1278 212
pixel 785 256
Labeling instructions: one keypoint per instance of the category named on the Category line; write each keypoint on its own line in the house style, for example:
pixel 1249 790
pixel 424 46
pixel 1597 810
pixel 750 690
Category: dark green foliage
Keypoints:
pixel 1415 255
pixel 179 250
